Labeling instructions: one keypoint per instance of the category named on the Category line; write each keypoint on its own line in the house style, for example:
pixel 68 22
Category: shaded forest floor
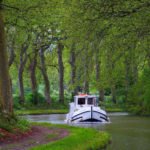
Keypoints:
pixel 37 135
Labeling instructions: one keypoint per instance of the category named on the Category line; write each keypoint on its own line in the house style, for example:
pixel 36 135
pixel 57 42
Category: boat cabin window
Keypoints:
pixel 90 101
pixel 81 101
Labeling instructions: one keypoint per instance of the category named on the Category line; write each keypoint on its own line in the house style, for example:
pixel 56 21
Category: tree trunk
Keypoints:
pixel 6 103
pixel 11 53
pixel 86 86
pixel 127 77
pixel 86 78
pixel 135 73
pixel 45 77
pixel 101 93
pixel 33 66
pixel 23 60
pixel 61 72
pixel 21 86
pixel 73 70
pixel 98 78
pixel 113 94
pixel 86 71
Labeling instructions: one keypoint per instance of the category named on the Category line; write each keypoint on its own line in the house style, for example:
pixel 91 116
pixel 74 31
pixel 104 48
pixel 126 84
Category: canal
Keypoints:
pixel 128 132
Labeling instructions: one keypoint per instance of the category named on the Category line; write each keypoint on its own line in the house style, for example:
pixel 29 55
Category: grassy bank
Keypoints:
pixel 41 111
pixel 79 139
pixel 115 109
pixel 56 111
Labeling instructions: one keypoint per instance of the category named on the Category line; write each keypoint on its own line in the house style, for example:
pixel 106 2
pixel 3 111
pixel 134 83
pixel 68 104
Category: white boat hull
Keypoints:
pixel 88 114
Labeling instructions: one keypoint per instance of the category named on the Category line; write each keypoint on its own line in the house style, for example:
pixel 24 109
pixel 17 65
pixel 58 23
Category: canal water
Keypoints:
pixel 128 132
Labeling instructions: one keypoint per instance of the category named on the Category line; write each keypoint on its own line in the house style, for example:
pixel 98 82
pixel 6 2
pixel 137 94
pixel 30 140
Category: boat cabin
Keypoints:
pixel 85 100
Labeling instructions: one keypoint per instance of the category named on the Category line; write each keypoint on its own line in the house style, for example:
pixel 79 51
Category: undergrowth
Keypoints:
pixel 14 123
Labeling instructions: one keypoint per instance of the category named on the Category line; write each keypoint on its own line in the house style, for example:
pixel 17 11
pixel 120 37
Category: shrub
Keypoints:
pixel 9 124
pixel 16 104
pixel 36 98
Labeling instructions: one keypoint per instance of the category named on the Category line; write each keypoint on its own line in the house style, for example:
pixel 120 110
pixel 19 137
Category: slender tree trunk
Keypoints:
pixel 86 71
pixel 102 95
pixel 135 73
pixel 73 70
pixel 45 77
pixel 113 94
pixel 98 78
pixel 86 86
pixel 111 67
pixel 127 77
pixel 61 72
pixel 33 66
pixel 12 57
pixel 86 76
pixel 47 88
pixel 6 102
pixel 11 52
pixel 21 85
pixel 23 60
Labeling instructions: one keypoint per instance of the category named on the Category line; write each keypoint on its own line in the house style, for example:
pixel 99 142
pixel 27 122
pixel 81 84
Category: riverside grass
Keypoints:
pixel 56 111
pixel 41 111
pixel 79 139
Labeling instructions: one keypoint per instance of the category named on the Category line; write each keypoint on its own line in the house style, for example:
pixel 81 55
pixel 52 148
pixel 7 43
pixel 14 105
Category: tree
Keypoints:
pixel 6 103
pixel 32 69
pixel 45 75
pixel 23 60
pixel 72 62
pixel 60 48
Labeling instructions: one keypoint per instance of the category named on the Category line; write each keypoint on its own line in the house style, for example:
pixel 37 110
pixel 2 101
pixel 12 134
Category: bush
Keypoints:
pixel 23 124
pixel 13 122
pixel 55 96
pixel 36 98
pixel 16 102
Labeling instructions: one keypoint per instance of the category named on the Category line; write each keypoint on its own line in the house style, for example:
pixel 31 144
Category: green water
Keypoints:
pixel 129 133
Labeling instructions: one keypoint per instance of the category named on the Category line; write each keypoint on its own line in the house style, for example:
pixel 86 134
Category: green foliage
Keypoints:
pixel 139 101
pixel 55 96
pixel 13 123
pixel 23 125
pixel 109 106
pixel 16 103
pixel 5 125
pixel 32 97
pixel 114 31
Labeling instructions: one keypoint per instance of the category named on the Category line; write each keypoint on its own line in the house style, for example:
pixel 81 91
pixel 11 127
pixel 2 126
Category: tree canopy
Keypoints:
pixel 67 46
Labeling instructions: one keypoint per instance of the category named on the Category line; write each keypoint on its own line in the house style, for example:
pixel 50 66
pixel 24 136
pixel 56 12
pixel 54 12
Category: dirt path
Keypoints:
pixel 36 136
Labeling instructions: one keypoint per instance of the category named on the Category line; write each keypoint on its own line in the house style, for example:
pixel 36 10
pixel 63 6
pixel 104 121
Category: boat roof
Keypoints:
pixel 84 95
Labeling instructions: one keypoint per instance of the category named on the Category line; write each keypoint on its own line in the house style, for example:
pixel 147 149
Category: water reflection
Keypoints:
pixel 128 132
pixel 53 118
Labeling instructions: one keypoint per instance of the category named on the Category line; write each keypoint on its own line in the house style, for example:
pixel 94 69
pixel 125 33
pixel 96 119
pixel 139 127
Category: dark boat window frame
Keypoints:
pixel 92 101
pixel 81 101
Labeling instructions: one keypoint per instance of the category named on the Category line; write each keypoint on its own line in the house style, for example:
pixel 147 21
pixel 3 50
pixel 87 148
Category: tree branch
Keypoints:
pixel 9 7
